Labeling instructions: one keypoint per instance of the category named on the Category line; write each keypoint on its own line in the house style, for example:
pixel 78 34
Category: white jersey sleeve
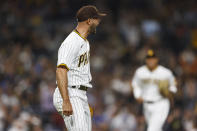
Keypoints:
pixel 172 83
pixel 136 86
pixel 67 53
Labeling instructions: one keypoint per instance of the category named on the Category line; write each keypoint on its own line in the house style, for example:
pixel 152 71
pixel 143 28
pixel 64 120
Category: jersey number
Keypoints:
pixel 83 59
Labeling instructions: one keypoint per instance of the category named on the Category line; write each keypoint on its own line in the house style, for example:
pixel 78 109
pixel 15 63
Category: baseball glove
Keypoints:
pixel 164 88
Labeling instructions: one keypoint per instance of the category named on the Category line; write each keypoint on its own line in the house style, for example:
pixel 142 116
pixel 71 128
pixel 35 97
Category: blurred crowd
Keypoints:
pixel 31 32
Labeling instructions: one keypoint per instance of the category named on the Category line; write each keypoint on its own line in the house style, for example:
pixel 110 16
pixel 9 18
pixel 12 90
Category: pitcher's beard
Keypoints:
pixel 92 29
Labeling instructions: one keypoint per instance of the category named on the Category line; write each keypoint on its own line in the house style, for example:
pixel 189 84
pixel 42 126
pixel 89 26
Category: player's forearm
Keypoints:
pixel 62 82
pixel 136 90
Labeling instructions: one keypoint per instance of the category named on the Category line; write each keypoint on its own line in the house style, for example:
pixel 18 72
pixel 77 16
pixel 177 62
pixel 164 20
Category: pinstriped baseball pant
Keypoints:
pixel 80 120
pixel 156 114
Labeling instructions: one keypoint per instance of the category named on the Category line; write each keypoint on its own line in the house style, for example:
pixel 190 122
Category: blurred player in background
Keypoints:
pixel 153 85
pixel 73 72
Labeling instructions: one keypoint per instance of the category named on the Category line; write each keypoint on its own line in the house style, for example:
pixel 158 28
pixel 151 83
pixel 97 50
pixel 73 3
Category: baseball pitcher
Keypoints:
pixel 153 85
pixel 73 72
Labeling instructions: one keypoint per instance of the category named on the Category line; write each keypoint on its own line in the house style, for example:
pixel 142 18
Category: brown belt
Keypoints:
pixel 151 102
pixel 84 88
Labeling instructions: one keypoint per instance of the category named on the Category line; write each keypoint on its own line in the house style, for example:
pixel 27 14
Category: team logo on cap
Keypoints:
pixel 150 53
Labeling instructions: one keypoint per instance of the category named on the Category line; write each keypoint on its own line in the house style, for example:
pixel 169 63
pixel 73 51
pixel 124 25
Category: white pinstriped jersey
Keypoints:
pixel 145 81
pixel 74 54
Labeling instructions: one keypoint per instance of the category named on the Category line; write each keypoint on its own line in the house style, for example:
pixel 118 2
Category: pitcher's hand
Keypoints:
pixel 67 108
pixel 140 100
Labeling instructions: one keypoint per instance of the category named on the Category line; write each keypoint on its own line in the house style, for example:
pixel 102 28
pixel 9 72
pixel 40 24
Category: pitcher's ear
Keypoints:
pixel 88 21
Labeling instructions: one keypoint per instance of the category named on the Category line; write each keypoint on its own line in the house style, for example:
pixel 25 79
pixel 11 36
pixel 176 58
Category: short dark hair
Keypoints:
pixel 88 12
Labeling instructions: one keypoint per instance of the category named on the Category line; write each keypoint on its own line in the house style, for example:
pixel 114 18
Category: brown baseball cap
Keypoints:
pixel 88 12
